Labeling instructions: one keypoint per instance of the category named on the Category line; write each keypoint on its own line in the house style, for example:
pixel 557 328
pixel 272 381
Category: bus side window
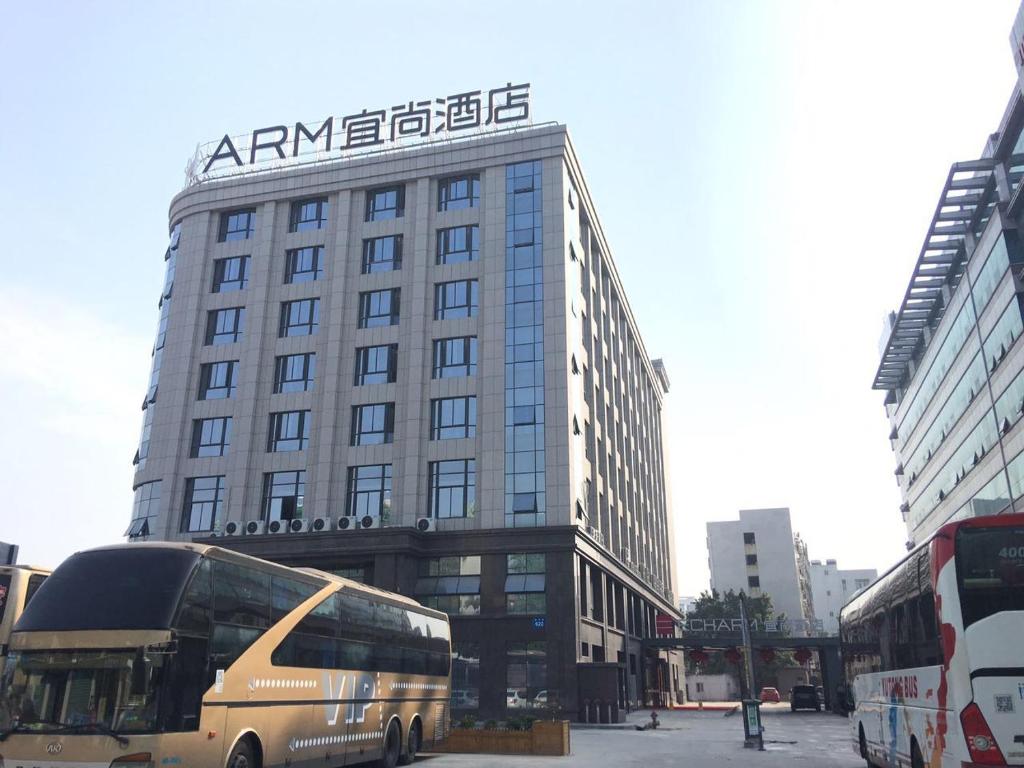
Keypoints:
pixel 241 595
pixel 35 581
pixel 194 614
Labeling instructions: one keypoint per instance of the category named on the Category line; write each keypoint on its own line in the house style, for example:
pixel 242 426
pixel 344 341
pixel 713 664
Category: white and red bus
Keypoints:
pixel 934 651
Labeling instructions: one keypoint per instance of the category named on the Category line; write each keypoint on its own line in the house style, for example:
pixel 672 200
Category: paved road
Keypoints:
pixel 693 740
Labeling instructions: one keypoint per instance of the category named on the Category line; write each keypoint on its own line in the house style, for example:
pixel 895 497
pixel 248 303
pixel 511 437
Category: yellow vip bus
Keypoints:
pixel 198 657
pixel 18 583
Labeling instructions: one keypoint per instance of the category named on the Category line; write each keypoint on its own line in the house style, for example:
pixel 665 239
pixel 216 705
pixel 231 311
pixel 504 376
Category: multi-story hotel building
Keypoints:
pixel 952 364
pixel 419 369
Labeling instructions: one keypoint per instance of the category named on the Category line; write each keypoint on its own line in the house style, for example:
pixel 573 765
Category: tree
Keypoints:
pixel 713 606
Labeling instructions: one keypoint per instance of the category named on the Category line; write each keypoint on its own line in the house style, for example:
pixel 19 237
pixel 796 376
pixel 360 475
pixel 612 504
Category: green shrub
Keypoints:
pixel 528 722
pixel 514 724
pixel 491 725
pixel 468 721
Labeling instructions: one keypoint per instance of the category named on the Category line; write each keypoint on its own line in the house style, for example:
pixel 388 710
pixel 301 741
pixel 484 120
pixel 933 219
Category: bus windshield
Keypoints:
pixel 47 691
pixel 111 589
pixel 990 571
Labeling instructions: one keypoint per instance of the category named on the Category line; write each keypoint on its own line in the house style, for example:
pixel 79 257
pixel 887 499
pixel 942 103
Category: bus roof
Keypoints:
pixel 209 550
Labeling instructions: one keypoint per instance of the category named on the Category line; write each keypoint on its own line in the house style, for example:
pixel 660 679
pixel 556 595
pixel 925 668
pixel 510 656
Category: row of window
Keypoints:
pixel 451 493
pixel 380 254
pixel 452 584
pixel 372 424
pixel 454 193
pixel 452 358
pixel 452 300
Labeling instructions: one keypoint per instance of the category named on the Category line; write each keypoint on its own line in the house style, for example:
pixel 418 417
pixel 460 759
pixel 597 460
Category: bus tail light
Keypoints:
pixel 980 742
pixel 137 760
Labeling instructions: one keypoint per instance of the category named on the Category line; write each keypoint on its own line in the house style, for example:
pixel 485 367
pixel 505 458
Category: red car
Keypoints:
pixel 770 694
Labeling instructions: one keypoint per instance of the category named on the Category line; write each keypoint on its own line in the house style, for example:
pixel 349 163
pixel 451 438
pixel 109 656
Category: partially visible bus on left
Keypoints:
pixel 193 656
pixel 18 583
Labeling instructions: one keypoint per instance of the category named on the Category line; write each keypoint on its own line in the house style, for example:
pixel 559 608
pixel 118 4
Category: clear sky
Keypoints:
pixel 765 172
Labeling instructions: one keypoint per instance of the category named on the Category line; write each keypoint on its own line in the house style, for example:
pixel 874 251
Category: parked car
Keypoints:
pixel 541 699
pixel 770 694
pixel 515 699
pixel 804 697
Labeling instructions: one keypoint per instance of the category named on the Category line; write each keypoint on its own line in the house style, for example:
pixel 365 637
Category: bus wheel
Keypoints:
pixel 241 756
pixel 864 747
pixel 392 747
pixel 414 744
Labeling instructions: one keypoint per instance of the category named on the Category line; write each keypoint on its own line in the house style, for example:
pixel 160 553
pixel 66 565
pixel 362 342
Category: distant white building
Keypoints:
pixel 832 588
pixel 686 604
pixel 757 554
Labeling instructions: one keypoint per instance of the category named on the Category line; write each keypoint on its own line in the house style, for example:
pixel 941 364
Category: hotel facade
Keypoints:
pixel 419 369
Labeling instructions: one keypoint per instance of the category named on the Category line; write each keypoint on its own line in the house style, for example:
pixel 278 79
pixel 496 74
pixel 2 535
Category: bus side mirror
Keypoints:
pixel 139 676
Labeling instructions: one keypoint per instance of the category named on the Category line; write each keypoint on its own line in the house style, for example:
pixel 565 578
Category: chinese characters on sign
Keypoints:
pixel 368 130
pixel 768 625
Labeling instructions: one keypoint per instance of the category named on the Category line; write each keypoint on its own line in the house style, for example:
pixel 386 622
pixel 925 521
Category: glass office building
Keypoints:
pixel 952 365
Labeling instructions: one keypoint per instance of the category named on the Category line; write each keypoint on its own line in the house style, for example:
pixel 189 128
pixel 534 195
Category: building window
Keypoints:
pixel 224 326
pixel 373 424
pixel 385 203
pixel 450 584
pixel 748 538
pixel 753 581
pixel 452 418
pixel 217 380
pixel 458 192
pixel 379 308
pixel 526 676
pixel 359 574
pixel 861 583
pixel 237 225
pixel 300 318
pixel 308 214
pixel 283 493
pixel 455 299
pixel 289 431
pixel 458 244
pixel 751 559
pixel 230 274
pixel 145 509
pixel 204 497
pixel 465 676
pixel 294 373
pixel 210 437
pixel 303 265
pixel 369 491
pixel 377 365
pixel 382 254
pixel 454 357
pixel 452 490
pixel 524 584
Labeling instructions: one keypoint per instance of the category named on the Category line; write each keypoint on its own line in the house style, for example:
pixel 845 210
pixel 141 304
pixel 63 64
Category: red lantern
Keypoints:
pixel 732 655
pixel 767 655
pixel 802 655
pixel 698 656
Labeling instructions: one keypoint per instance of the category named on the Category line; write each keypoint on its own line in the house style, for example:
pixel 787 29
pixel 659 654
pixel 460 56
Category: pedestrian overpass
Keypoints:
pixel 825 648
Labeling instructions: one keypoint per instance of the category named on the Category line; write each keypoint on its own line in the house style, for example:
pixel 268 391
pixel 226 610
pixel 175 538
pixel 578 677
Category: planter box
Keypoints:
pixel 546 737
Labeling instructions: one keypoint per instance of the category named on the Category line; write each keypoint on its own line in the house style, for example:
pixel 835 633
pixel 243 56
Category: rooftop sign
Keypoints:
pixel 416 122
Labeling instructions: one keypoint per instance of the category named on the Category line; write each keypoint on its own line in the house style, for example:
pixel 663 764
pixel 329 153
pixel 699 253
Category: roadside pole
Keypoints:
pixel 752 730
